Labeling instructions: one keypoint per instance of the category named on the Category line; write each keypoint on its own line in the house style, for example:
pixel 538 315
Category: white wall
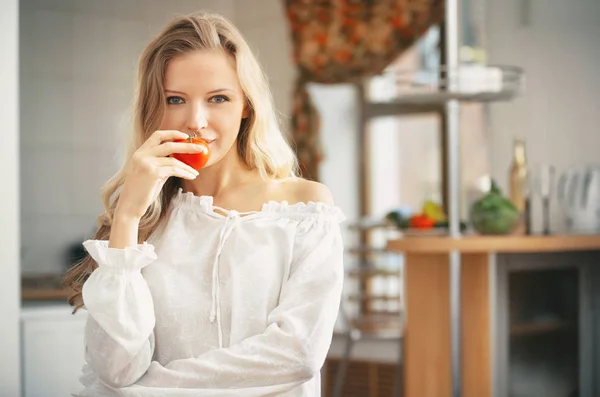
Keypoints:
pixel 337 107
pixel 9 201
pixel 560 112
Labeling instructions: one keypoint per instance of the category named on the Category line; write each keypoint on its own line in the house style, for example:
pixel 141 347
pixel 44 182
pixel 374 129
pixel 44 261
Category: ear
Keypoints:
pixel 245 112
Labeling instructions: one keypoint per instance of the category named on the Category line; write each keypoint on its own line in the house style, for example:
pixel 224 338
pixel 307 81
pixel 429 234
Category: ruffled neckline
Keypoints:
pixel 277 209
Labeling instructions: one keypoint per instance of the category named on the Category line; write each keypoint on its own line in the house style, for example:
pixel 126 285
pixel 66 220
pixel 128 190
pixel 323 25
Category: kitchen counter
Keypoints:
pixel 43 287
pixel 427 364
pixel 481 244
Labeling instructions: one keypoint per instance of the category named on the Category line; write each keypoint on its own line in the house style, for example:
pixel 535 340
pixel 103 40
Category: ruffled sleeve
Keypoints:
pixel 293 347
pixel 119 337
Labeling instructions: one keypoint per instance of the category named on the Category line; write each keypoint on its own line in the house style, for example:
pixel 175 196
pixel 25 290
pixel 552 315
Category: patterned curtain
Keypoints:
pixel 344 41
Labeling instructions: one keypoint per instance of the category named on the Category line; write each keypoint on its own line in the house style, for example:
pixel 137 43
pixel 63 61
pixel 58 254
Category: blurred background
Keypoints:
pixel 384 92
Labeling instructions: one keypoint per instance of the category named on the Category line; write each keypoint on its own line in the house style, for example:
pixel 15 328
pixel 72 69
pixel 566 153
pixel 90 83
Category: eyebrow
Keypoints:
pixel 210 92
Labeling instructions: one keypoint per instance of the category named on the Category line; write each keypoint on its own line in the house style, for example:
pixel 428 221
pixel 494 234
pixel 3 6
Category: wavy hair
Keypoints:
pixel 261 144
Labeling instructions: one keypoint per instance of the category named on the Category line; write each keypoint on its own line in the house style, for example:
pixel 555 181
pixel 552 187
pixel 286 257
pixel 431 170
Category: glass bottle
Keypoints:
pixel 518 185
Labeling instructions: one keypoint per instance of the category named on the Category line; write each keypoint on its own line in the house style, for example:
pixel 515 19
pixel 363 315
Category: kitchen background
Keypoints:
pixel 76 67
pixel 78 57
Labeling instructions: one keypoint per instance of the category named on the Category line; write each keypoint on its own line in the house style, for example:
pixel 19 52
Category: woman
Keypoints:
pixel 220 282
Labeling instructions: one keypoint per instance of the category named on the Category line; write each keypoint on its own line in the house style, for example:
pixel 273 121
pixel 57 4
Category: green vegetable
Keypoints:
pixel 397 219
pixel 494 213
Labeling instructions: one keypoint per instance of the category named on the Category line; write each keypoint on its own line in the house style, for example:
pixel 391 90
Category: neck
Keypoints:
pixel 230 171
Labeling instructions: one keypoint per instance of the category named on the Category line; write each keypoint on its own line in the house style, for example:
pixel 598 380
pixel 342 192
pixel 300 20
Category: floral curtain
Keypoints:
pixel 344 41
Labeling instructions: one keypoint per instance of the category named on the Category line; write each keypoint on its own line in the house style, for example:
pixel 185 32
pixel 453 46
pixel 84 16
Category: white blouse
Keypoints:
pixel 216 303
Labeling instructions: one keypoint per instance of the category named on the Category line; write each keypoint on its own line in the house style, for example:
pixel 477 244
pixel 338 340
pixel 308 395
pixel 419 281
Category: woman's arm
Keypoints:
pixel 112 364
pixel 119 339
pixel 118 344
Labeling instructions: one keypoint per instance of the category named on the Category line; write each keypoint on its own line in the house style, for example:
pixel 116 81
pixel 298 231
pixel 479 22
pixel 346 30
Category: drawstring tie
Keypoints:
pixel 215 311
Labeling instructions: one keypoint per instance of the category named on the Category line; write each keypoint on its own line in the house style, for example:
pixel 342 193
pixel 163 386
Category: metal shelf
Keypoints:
pixel 442 90
pixel 474 84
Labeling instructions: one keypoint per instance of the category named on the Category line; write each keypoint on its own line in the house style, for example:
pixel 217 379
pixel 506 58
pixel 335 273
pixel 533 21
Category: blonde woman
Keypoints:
pixel 220 282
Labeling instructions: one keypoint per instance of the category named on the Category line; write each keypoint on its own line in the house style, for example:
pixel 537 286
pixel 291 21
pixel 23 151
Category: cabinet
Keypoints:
pixel 545 325
pixel 52 349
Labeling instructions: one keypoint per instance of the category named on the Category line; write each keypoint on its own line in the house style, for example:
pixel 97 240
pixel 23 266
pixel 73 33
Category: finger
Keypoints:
pixel 161 136
pixel 173 162
pixel 169 171
pixel 169 148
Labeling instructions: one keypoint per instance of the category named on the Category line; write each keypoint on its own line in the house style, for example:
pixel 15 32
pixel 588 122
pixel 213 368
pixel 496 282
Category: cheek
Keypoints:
pixel 226 122
pixel 173 120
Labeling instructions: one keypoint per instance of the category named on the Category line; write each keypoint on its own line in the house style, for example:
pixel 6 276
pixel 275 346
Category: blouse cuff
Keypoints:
pixel 130 258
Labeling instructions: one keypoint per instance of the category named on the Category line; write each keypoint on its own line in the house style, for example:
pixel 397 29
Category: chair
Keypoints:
pixel 371 310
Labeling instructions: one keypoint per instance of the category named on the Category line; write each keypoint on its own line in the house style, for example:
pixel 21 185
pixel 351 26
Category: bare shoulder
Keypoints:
pixel 299 190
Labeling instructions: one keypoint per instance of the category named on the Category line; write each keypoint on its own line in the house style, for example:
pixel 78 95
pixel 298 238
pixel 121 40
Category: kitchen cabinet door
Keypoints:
pixel 52 350
pixel 544 332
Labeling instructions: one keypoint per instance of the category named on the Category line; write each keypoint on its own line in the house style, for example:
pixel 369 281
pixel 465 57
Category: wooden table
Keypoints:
pixel 427 360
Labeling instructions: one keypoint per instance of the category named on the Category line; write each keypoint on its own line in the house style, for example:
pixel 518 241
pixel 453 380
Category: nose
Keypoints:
pixel 198 118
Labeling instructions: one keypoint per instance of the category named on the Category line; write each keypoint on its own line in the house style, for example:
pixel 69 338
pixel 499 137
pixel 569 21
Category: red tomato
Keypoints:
pixel 194 160
pixel 421 222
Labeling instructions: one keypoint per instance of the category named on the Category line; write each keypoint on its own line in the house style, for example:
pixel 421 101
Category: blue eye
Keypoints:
pixel 219 99
pixel 175 100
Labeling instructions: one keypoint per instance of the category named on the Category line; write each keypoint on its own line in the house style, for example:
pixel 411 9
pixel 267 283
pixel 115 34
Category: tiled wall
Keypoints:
pixel 77 66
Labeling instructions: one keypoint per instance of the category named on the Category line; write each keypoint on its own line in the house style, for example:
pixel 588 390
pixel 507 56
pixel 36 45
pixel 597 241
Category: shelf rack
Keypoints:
pixel 449 86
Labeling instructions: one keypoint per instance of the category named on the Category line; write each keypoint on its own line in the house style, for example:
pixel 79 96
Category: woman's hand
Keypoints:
pixel 149 169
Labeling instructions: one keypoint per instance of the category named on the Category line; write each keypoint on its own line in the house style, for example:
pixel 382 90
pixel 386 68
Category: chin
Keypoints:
pixel 212 161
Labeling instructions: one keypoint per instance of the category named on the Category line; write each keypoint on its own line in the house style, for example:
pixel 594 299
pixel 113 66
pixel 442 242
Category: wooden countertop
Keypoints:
pixel 504 244
pixel 44 294
pixel 36 287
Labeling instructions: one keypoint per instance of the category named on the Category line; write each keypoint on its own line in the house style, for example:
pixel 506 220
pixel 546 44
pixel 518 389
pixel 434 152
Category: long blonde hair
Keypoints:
pixel 261 144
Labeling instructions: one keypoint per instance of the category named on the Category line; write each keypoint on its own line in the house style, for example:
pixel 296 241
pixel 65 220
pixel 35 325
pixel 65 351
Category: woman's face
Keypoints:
pixel 203 95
